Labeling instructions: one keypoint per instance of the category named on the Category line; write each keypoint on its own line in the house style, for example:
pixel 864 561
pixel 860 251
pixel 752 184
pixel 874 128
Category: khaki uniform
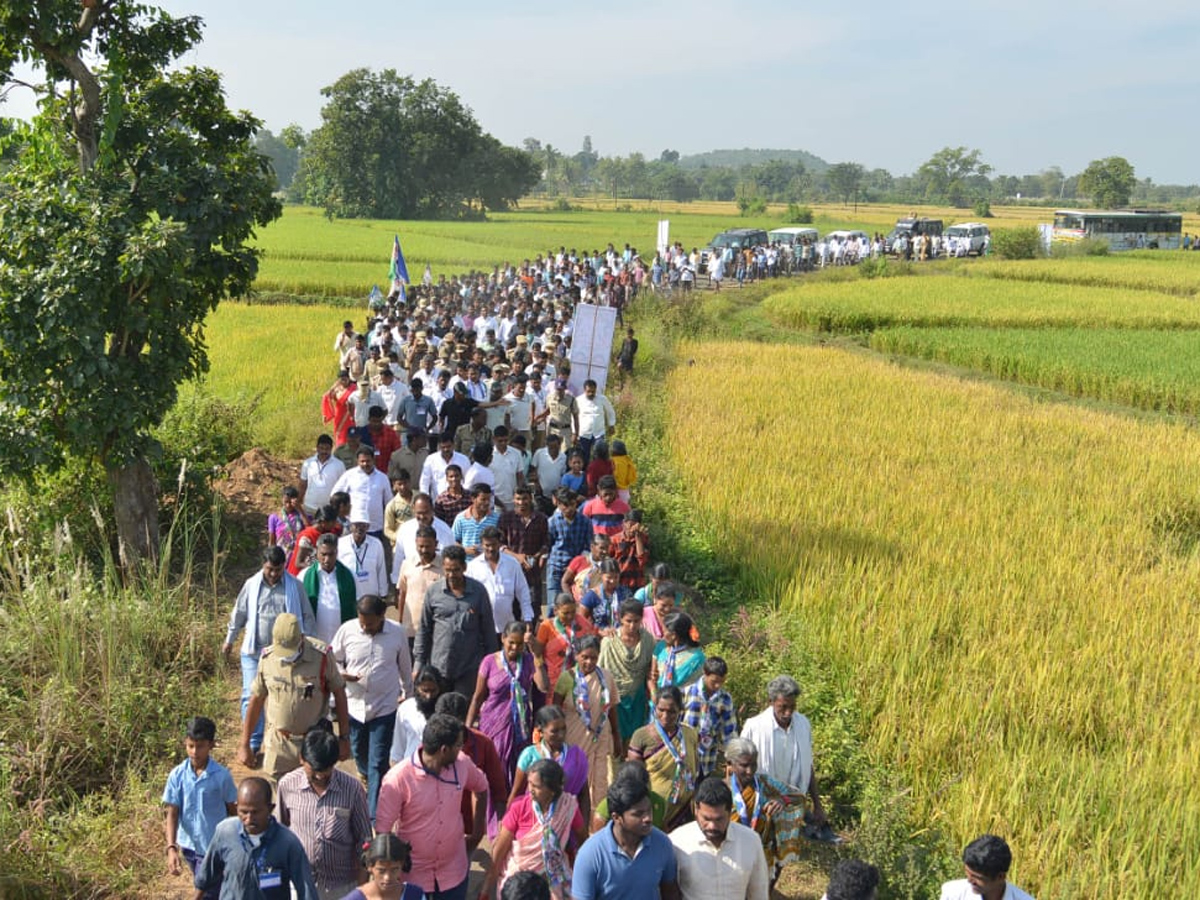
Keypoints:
pixel 297 695
pixel 559 421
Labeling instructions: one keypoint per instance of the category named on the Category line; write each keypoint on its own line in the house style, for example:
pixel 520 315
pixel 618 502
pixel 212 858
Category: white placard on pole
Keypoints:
pixel 591 346
pixel 664 235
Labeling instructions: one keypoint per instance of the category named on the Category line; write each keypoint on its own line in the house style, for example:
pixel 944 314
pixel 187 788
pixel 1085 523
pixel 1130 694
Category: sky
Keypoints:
pixel 1030 84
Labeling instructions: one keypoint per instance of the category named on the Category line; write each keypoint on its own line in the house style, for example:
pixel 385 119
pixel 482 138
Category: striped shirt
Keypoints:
pixel 714 719
pixel 331 826
pixel 467 528
pixel 606 520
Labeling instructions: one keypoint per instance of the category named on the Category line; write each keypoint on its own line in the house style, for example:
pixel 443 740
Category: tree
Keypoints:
pixel 284 158
pixel 393 148
pixel 126 220
pixel 844 180
pixel 1109 182
pixel 951 173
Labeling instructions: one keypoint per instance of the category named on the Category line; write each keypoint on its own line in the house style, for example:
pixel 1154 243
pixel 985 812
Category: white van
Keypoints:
pixel 792 236
pixel 966 238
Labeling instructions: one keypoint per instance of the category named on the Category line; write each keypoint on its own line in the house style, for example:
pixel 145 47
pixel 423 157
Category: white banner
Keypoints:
pixel 591 346
pixel 664 235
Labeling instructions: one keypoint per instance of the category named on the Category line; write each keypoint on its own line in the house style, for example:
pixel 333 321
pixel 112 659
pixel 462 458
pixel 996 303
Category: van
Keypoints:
pixel 911 227
pixel 792 236
pixel 975 235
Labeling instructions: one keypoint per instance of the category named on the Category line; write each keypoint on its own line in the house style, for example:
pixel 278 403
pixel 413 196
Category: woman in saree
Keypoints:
pixel 561 633
pixel 550 742
pixel 335 407
pixel 765 805
pixel 678 659
pixel 588 697
pixel 502 703
pixel 539 833
pixel 628 655
pixel 670 751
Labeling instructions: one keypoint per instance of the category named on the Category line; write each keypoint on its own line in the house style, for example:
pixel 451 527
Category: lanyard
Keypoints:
pixel 740 802
pixel 438 775
pixel 361 558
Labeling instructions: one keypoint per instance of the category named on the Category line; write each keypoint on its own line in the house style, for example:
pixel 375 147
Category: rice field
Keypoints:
pixel 1010 583
pixel 1152 370
pixel 1144 270
pixel 930 301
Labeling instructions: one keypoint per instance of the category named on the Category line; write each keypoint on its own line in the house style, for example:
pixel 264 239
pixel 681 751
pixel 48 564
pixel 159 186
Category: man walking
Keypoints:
pixel 456 630
pixel 719 859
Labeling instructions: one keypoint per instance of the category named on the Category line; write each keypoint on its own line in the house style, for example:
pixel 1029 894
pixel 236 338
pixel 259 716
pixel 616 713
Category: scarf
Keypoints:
pixel 553 858
pixel 705 724
pixel 520 701
pixel 739 802
pixel 668 673
pixel 567 631
pixel 682 781
pixel 294 522
pixel 583 702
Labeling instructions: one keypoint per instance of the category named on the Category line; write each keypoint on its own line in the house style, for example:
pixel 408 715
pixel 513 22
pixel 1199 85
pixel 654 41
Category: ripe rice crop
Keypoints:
pixel 1155 370
pixel 865 305
pixel 1146 270
pixel 1010 584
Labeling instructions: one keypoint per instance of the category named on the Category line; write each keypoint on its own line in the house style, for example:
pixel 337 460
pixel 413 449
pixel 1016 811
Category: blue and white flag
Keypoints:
pixel 399 271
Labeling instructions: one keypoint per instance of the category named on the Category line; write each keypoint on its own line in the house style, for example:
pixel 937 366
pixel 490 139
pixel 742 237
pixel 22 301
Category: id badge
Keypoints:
pixel 362 574
pixel 268 880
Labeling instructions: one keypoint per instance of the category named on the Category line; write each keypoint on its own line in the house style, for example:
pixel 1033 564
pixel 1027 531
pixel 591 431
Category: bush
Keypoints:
pixel 983 209
pixel 1086 247
pixel 752 206
pixel 1024 242
pixel 798 215
pixel 562 204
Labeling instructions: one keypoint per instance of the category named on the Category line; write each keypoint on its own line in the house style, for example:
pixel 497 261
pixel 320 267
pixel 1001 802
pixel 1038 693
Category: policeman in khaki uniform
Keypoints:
pixel 559 407
pixel 296 676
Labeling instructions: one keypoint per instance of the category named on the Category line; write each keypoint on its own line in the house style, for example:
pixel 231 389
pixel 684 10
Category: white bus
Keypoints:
pixel 1121 229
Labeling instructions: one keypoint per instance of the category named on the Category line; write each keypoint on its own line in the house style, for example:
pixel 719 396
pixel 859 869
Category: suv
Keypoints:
pixel 736 239
pixel 910 228
pixel 974 235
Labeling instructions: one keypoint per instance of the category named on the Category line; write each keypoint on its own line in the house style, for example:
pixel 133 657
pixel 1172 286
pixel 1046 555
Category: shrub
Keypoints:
pixel 983 209
pixel 1086 247
pixel 752 206
pixel 1024 242
pixel 798 215
pixel 562 204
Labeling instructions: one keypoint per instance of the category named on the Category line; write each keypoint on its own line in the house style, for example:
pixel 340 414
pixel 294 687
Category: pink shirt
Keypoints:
pixel 426 810
pixel 520 818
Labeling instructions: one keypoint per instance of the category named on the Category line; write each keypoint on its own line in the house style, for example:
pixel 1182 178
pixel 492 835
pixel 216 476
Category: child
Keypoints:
pixel 624 470
pixel 600 466
pixel 400 508
pixel 386 860
pixel 708 708
pixel 200 793
pixel 560 635
pixel 574 477
pixel 601 603
pixel 285 525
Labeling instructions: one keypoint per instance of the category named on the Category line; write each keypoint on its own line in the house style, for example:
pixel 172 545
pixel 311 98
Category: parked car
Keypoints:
pixel 911 227
pixel 735 239
pixel 792 236
pixel 974 234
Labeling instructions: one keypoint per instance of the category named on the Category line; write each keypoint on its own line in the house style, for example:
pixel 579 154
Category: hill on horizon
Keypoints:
pixel 749 157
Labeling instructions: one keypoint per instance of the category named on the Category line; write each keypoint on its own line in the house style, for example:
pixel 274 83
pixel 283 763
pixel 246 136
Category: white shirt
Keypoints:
pixel 329 605
pixel 320 477
pixel 549 470
pixel 366 562
pixel 961 890
pixel 505 468
pixel 520 411
pixel 433 473
pixel 406 540
pixel 392 395
pixel 382 663
pixel 369 495
pixel 362 405
pixel 406 737
pixel 737 870
pixel 594 415
pixel 785 755
pixel 503 584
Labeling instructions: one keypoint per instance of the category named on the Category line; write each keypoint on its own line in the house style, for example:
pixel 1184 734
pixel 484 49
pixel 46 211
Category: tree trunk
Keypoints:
pixel 135 502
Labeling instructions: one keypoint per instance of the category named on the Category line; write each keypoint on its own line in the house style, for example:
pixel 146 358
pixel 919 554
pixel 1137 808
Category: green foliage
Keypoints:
pixel 950 175
pixel 1085 247
pixel 982 209
pixel 126 220
pixel 752 206
pixel 882 267
pixel 1109 182
pixel 913 860
pixel 284 156
pixel 1024 242
pixel 845 178
pixel 392 147
pixel 798 215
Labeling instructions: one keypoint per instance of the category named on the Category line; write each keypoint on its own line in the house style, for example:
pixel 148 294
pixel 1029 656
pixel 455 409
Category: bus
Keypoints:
pixel 1121 229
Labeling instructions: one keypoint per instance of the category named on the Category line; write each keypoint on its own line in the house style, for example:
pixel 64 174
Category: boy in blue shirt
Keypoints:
pixel 200 793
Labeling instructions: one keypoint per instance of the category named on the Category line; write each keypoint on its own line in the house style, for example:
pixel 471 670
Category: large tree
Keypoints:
pixel 394 148
pixel 845 179
pixel 952 174
pixel 126 219
pixel 1109 181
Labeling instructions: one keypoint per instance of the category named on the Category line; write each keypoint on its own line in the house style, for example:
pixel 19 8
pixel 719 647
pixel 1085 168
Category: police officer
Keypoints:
pixel 296 675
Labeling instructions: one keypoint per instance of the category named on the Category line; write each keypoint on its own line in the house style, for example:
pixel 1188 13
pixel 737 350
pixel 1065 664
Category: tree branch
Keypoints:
pixel 87 110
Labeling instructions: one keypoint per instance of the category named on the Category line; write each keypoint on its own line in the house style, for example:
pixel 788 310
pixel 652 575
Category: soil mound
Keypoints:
pixel 252 486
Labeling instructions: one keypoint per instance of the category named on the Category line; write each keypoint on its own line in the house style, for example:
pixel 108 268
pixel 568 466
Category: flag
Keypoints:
pixel 399 270
pixel 427 278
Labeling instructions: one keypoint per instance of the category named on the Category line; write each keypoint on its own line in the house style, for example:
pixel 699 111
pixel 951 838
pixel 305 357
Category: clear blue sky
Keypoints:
pixel 1031 84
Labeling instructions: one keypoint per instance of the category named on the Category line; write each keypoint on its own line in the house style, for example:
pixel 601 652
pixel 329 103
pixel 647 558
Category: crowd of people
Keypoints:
pixel 458 596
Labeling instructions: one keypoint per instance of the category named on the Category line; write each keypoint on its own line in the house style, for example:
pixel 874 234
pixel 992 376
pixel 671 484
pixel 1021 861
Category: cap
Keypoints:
pixel 285 635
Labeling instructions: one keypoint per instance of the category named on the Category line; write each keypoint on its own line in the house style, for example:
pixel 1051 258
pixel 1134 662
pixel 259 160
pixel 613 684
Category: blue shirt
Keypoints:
pixel 604 872
pixel 604 607
pixel 200 799
pixel 241 867
pixel 567 539
pixel 467 529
